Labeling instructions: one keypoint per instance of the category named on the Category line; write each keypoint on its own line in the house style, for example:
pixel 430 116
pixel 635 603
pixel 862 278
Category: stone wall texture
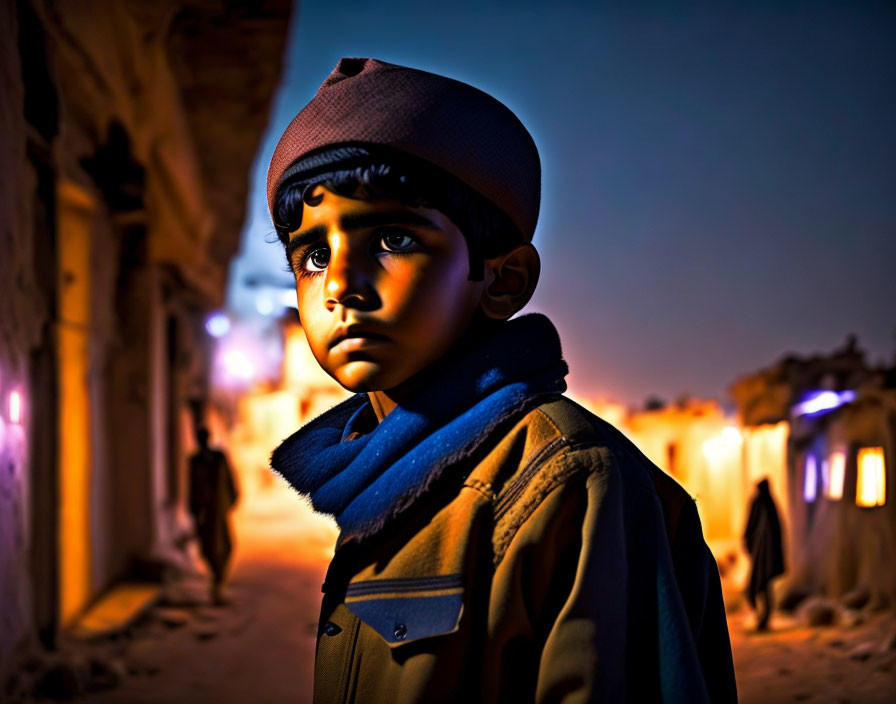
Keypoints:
pixel 22 312
pixel 136 122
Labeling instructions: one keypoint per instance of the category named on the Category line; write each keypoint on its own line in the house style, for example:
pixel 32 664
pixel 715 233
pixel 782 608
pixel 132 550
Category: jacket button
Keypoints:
pixel 400 632
pixel 331 629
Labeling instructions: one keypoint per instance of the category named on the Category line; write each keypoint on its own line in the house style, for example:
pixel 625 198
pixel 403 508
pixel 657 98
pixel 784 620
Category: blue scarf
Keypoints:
pixel 367 481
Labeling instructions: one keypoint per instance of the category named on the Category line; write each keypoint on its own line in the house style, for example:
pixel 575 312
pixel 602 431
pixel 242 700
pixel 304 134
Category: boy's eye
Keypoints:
pixel 396 241
pixel 317 259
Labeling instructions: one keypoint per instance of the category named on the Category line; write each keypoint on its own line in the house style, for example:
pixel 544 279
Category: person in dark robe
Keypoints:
pixel 212 494
pixel 762 539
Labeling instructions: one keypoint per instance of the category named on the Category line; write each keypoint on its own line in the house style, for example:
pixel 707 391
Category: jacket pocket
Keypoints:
pixel 408 609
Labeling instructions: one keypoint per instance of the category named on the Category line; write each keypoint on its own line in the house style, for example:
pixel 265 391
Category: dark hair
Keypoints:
pixel 368 173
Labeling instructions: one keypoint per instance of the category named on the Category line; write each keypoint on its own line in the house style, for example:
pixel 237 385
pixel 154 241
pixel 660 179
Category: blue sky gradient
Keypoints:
pixel 719 180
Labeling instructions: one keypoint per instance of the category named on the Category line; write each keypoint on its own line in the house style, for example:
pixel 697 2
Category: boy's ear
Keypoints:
pixel 510 281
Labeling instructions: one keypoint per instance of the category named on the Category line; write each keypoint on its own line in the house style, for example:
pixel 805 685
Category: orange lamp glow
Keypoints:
pixel 15 407
pixel 715 449
pixel 871 489
pixel 838 472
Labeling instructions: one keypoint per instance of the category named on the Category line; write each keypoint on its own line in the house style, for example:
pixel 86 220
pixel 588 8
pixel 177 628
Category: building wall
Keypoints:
pixel 697 445
pixel 14 337
pixel 840 545
pixel 26 271
pixel 832 545
pixel 118 226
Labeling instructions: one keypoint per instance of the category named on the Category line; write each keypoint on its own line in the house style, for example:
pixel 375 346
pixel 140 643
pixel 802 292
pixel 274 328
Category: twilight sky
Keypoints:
pixel 719 180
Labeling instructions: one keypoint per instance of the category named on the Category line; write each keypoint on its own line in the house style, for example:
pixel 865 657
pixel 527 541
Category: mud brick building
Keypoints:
pixel 835 484
pixel 127 131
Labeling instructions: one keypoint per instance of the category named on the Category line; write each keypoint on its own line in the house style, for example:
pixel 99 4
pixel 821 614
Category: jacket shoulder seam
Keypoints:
pixel 508 523
pixel 549 420
pixel 510 493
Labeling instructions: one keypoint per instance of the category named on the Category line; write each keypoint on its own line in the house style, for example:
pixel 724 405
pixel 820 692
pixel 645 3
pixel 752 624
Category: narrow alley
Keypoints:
pixel 260 646
pixel 257 648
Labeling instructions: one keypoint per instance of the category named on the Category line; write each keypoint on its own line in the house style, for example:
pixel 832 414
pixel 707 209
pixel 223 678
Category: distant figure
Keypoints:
pixel 212 494
pixel 762 539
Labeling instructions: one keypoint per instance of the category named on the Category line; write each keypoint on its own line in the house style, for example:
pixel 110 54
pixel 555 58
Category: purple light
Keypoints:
pixel 810 479
pixel 818 402
pixel 15 407
pixel 217 325
pixel 238 365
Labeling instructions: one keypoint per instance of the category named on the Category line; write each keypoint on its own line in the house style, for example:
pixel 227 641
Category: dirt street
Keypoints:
pixel 829 664
pixel 260 647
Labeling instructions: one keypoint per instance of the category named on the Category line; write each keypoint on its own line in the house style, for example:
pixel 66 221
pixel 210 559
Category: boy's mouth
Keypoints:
pixel 355 337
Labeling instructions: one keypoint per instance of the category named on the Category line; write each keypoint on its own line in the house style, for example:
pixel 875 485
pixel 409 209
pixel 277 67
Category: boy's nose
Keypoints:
pixel 347 283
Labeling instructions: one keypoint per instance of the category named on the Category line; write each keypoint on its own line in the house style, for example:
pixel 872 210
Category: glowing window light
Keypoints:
pixel 837 474
pixel 15 407
pixel 810 479
pixel 217 325
pixel 871 489
pixel 819 402
pixel 717 448
pixel 731 436
pixel 238 365
pixel 825 476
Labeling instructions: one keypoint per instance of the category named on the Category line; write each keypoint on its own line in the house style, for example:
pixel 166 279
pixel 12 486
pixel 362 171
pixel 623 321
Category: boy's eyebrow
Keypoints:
pixel 300 239
pixel 359 221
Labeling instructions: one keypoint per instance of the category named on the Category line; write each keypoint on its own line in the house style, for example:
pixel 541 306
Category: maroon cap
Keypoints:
pixel 460 129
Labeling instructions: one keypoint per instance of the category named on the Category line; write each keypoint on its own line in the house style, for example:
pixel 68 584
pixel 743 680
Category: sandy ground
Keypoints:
pixel 260 647
pixel 832 664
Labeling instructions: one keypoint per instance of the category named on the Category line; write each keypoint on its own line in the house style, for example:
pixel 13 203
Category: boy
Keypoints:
pixel 497 541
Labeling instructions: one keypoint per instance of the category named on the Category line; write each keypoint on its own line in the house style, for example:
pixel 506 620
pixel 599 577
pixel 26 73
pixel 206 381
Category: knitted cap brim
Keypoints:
pixel 450 124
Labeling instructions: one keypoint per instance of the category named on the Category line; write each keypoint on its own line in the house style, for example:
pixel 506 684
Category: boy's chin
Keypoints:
pixel 365 376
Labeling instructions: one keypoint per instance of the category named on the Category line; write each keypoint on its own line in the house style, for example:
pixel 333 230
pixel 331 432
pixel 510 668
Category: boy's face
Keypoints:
pixel 382 288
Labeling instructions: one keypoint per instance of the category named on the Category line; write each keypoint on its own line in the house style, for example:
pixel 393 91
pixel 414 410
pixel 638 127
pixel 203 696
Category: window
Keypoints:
pixel 15 407
pixel 837 469
pixel 871 488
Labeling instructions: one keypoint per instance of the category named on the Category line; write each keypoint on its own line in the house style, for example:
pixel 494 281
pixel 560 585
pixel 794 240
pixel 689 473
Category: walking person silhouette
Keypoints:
pixel 762 540
pixel 212 494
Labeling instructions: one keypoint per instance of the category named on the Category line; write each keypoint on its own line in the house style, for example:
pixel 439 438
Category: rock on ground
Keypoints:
pixel 818 611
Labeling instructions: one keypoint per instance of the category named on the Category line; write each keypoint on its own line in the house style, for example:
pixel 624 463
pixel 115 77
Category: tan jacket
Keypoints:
pixel 557 564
